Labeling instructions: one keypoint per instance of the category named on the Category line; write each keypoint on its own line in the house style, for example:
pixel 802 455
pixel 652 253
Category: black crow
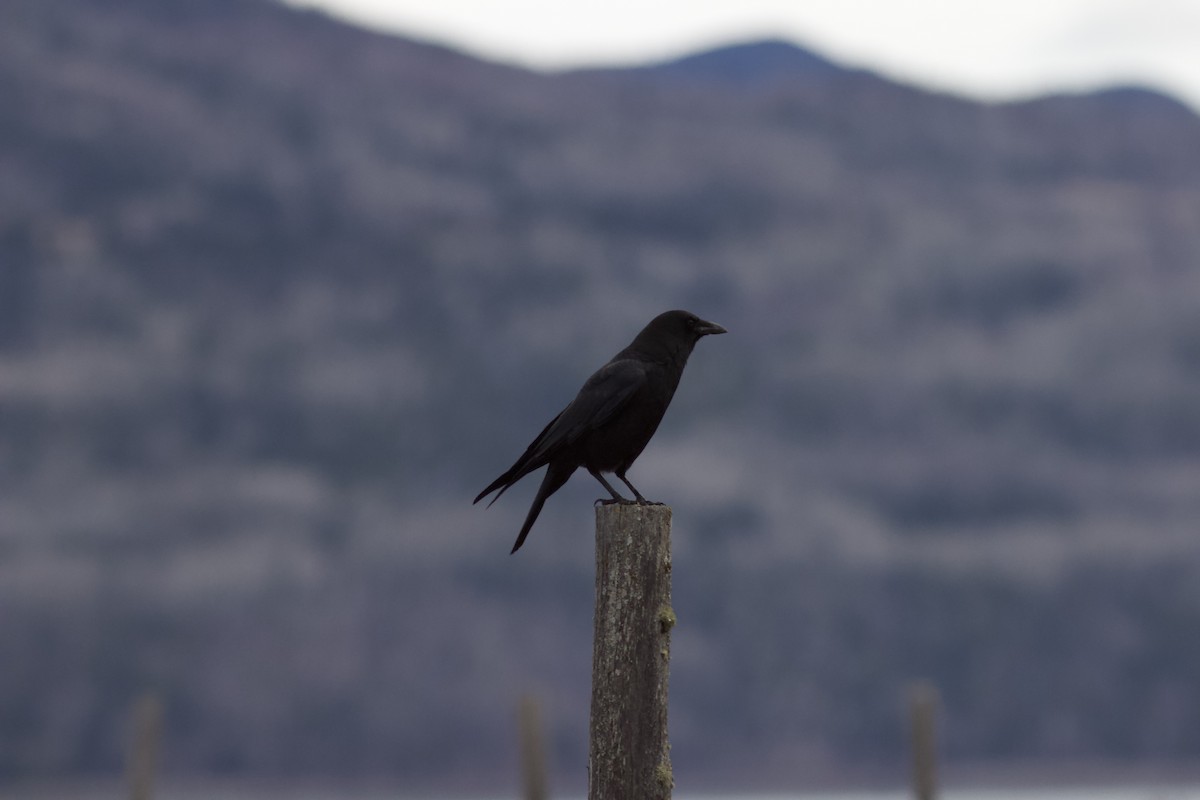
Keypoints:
pixel 606 426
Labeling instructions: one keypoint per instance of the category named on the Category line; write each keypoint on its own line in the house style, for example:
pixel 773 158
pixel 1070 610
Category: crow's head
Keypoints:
pixel 683 325
pixel 672 335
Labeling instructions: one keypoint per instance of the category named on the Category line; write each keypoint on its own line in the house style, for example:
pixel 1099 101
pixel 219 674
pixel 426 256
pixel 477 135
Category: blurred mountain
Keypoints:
pixel 278 296
pixel 747 65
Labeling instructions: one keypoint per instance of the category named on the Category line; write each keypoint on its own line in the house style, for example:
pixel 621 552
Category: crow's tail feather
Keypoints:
pixel 535 456
pixel 556 476
pixel 502 483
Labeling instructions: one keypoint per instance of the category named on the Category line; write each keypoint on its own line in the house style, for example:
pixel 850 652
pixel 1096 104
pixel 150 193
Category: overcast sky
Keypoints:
pixel 997 49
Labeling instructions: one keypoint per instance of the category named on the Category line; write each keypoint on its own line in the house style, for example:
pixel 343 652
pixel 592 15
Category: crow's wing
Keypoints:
pixel 601 398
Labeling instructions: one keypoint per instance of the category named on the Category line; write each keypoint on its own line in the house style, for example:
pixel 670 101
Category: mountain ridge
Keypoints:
pixel 756 62
pixel 769 63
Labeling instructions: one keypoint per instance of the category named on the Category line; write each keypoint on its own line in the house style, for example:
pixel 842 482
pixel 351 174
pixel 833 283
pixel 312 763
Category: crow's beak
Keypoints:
pixel 705 328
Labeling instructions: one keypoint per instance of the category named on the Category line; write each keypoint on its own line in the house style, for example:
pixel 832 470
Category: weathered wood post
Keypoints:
pixel 533 754
pixel 923 702
pixel 143 752
pixel 629 755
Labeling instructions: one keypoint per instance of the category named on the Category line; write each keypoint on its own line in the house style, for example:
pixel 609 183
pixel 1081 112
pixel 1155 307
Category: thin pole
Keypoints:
pixel 143 753
pixel 533 753
pixel 923 702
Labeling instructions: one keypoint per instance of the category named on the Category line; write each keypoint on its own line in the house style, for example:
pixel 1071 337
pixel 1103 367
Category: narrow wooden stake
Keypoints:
pixel 629 755
pixel 923 702
pixel 143 754
pixel 533 753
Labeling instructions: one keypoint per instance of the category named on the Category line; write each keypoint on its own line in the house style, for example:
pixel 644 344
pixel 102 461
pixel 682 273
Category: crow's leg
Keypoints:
pixel 636 493
pixel 616 498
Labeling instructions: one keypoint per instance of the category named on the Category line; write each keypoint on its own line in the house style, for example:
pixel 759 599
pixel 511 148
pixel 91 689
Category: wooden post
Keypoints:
pixel 629 755
pixel 923 702
pixel 533 754
pixel 143 753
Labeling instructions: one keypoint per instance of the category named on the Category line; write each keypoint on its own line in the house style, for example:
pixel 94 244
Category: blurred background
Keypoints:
pixel 280 294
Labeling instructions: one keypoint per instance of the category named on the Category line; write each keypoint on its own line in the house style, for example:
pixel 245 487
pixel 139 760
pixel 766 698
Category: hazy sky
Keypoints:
pixel 996 49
